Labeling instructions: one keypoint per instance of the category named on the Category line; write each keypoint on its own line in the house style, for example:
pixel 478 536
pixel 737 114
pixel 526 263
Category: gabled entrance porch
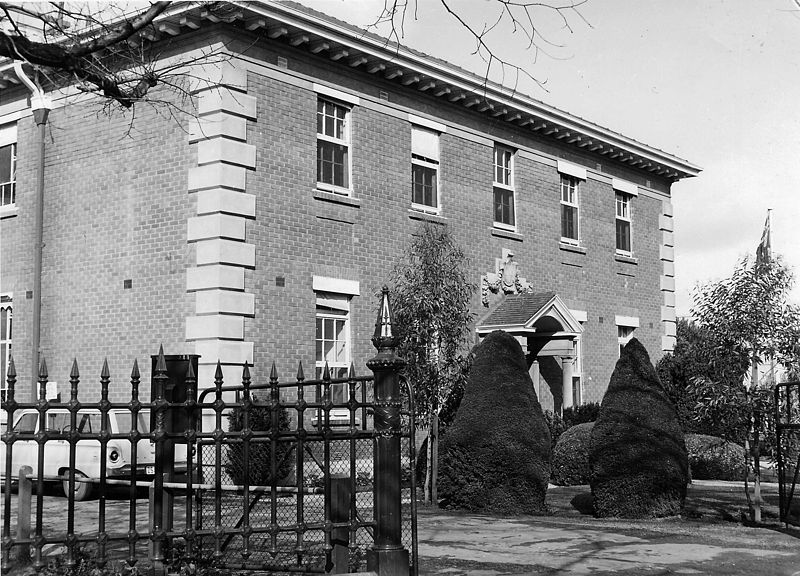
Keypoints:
pixel 549 335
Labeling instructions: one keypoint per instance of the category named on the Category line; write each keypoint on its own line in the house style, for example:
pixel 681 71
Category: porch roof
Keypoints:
pixel 542 312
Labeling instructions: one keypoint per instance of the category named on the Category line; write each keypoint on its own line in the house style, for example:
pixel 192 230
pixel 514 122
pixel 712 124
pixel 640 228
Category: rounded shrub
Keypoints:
pixel 637 451
pixel 495 457
pixel 714 458
pixel 570 464
pixel 260 453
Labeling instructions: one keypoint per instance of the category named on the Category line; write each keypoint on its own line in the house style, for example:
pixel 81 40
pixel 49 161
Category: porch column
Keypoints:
pixel 535 376
pixel 566 382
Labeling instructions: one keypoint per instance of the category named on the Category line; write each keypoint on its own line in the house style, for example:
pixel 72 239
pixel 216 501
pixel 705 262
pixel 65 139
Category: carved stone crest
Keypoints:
pixel 505 279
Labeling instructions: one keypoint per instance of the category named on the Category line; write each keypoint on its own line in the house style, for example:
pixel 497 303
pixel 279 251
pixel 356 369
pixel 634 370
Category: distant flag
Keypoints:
pixel 764 250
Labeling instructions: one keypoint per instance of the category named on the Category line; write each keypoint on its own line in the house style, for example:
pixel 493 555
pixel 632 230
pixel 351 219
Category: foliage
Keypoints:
pixel 556 426
pixel 749 314
pixel 260 465
pixel 570 465
pixel 495 457
pixel 176 563
pixel 572 417
pixel 713 458
pixel 637 451
pixel 696 357
pixel 430 299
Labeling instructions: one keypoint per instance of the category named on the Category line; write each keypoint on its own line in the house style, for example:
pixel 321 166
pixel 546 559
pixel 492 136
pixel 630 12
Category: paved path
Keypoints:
pixel 713 542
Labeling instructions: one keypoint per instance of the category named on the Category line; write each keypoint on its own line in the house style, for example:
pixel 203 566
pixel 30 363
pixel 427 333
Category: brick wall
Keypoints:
pixel 117 208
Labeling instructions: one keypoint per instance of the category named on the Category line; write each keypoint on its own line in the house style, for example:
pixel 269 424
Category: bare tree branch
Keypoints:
pixel 520 15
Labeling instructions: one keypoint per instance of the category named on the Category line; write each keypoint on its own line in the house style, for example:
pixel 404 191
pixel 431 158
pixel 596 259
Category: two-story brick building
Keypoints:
pixel 260 226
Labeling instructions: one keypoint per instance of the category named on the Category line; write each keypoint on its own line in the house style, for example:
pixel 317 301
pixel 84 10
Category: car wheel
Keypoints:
pixel 83 490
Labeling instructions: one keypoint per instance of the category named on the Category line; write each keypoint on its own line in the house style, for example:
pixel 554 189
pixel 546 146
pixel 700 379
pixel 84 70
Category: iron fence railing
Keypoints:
pixel 787 430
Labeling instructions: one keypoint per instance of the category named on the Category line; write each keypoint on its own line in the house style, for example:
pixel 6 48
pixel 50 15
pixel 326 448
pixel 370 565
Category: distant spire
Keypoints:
pixel 764 250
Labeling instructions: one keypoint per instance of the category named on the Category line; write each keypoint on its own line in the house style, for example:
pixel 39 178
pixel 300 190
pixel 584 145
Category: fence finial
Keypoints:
pixel 273 373
pixel 104 372
pixel 135 370
pixel 300 375
pixel 43 370
pixel 73 373
pixel 161 363
pixel 384 336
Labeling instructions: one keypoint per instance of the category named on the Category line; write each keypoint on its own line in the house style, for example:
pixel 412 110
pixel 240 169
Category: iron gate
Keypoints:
pixel 307 476
pixel 297 497
pixel 787 426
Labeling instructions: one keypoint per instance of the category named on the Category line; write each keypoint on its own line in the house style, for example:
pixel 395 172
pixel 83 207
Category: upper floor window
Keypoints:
pixel 5 339
pixel 8 165
pixel 424 169
pixel 333 146
pixel 623 221
pixel 569 209
pixel 504 188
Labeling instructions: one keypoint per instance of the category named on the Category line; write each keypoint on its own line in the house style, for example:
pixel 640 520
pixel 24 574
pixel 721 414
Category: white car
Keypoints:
pixel 87 452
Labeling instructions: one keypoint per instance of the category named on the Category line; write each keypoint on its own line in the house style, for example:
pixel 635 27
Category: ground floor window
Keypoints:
pixel 624 335
pixel 333 340
pixel 577 372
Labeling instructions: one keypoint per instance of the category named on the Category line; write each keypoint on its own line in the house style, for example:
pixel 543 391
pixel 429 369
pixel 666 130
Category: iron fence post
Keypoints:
pixel 158 533
pixel 388 556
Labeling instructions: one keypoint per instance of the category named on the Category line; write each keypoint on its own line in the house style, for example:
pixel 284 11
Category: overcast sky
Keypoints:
pixel 714 82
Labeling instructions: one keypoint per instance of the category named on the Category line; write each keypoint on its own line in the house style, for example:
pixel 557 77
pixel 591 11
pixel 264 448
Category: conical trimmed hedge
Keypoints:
pixel 636 450
pixel 495 457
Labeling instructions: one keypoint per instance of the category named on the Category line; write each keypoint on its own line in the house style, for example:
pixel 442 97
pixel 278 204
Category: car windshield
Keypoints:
pixel 125 421
pixel 26 423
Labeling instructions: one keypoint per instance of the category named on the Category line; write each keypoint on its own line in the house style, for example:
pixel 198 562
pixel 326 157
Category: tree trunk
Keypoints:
pixel 434 459
pixel 757 501
pixel 756 509
pixel 427 489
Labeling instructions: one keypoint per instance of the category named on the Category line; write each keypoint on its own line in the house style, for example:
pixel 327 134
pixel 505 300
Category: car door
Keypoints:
pixel 23 452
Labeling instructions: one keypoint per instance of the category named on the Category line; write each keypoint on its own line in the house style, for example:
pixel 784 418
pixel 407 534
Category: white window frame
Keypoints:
pixel 624 335
pixel 343 314
pixel 571 183
pixel 425 162
pixel 577 371
pixel 623 210
pixel 6 303
pixel 346 141
pixel 501 151
pixel 8 137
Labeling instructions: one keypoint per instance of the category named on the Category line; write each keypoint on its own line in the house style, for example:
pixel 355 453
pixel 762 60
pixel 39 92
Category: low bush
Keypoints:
pixel 556 425
pixel 714 458
pixel 570 464
pixel 582 414
pixel 260 457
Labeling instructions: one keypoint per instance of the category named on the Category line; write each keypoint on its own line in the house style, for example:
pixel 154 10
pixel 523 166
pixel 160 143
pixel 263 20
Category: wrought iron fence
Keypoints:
pixel 287 477
pixel 787 430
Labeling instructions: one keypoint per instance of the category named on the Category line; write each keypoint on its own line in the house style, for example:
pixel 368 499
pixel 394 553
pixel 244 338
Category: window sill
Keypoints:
pixel 419 215
pixel 626 259
pixel 502 233
pixel 571 248
pixel 326 196
pixel 8 211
